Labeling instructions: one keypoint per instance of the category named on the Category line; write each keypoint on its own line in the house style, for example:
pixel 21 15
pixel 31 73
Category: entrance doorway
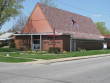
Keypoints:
pixel 36 44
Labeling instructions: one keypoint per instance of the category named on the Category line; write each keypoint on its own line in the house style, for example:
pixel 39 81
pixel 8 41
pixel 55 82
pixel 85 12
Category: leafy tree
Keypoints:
pixel 8 9
pixel 20 23
pixel 102 28
pixel 48 2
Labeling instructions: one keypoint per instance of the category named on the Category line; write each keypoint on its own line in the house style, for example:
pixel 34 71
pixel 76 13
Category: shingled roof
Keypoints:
pixel 80 27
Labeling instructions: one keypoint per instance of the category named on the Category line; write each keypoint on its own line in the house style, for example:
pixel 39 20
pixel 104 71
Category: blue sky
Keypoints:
pixel 98 10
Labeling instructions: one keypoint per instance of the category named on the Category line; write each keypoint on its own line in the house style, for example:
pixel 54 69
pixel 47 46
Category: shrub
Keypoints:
pixel 8 50
pixel 65 52
pixel 81 49
pixel 54 50
pixel 12 44
pixel 3 43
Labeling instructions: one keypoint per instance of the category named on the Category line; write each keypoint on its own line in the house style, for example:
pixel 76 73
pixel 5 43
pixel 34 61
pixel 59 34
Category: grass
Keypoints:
pixel 5 51
pixel 47 56
pixel 8 50
pixel 30 56
pixel 13 60
pixel 65 55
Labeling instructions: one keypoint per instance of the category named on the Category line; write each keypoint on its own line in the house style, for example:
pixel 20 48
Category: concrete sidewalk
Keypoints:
pixel 40 61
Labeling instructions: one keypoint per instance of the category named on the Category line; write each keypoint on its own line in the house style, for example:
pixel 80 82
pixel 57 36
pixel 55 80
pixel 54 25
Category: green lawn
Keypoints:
pixel 56 56
pixel 13 60
pixel 31 56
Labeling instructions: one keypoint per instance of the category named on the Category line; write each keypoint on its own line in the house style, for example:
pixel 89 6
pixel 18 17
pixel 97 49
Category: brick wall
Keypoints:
pixel 22 42
pixel 61 42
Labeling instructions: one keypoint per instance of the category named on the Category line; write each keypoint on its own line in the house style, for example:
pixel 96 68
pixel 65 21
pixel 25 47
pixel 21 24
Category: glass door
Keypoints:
pixel 36 44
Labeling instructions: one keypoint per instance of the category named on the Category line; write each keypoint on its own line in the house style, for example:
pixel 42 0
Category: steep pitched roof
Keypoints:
pixel 78 26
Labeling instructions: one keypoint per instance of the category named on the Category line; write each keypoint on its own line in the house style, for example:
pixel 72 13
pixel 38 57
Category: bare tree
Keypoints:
pixel 19 25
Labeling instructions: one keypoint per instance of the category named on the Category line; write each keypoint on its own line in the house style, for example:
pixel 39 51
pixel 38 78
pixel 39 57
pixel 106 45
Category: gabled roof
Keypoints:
pixel 80 27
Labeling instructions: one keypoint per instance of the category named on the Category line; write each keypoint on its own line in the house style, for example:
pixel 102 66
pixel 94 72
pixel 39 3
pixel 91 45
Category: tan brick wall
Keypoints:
pixel 37 23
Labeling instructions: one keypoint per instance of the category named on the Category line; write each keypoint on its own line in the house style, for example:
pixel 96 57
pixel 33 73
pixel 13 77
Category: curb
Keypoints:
pixel 66 59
